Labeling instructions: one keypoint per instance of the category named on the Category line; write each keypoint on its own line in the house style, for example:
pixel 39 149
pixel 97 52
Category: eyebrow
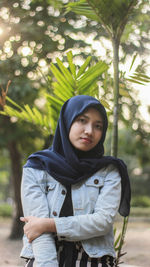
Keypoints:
pixel 98 121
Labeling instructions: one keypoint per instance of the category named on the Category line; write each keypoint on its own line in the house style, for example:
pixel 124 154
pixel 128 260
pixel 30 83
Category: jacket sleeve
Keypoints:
pixel 99 223
pixel 34 203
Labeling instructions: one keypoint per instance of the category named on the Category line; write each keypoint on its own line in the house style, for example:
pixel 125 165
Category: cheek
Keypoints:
pixel 70 136
pixel 75 128
pixel 75 132
pixel 72 133
pixel 98 136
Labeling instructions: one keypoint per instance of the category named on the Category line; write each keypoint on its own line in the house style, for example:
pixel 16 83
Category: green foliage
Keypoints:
pixel 4 184
pixel 5 210
pixel 32 115
pixel 141 201
pixel 73 81
pixel 119 241
pixel 68 83
pixel 82 8
pixel 111 14
pixel 32 32
pixel 139 78
pixel 82 81
pixel 140 212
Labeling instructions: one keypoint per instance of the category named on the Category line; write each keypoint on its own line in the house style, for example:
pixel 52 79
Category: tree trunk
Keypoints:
pixel 114 143
pixel 17 226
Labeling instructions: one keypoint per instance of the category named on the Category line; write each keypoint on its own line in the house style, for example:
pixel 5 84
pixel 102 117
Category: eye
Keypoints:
pixel 81 120
pixel 99 127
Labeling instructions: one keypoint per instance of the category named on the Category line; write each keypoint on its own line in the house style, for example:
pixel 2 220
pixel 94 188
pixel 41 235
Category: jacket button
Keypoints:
pixel 63 192
pixel 54 213
pixel 96 181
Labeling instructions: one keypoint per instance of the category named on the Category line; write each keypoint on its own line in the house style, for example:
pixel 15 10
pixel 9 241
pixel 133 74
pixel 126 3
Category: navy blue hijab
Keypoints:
pixel 68 165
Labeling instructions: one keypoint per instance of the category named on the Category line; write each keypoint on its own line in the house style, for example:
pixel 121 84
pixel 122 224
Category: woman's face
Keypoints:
pixel 86 130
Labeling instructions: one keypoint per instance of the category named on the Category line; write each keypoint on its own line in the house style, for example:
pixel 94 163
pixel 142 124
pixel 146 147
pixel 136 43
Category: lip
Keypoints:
pixel 86 140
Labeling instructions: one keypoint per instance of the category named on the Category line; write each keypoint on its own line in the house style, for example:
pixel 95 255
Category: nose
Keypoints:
pixel 88 129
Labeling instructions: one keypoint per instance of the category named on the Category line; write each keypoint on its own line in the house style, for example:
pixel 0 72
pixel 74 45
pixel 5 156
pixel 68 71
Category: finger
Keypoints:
pixel 25 228
pixel 29 239
pixel 22 219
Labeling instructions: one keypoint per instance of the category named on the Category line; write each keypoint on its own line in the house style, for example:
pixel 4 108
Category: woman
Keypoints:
pixel 71 192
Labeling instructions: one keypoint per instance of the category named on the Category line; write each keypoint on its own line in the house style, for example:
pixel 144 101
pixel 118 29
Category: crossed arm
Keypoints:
pixel 88 225
pixel 35 226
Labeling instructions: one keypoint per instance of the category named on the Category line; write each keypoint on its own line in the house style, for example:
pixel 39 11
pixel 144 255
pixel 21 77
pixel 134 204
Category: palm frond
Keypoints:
pixel 68 83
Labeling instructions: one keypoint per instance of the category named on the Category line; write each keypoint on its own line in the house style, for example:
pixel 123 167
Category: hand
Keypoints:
pixel 35 226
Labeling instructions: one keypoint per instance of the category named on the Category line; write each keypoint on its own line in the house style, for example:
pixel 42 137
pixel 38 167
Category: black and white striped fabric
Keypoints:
pixel 105 261
pixel 72 255
pixel 29 263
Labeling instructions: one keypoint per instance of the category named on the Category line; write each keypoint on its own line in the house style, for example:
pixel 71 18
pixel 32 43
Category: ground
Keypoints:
pixel 137 245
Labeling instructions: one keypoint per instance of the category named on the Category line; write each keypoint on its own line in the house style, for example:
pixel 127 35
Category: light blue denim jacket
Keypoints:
pixel 95 204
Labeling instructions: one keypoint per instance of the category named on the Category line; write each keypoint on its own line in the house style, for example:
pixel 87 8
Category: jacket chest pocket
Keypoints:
pixel 93 186
pixel 86 195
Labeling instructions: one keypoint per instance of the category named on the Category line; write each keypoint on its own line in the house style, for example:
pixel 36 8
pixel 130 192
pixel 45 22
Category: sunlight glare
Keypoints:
pixel 42 63
pixel 26 51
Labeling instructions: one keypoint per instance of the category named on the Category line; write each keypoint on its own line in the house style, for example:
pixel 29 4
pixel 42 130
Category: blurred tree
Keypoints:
pixel 113 16
pixel 31 32
pixel 4 181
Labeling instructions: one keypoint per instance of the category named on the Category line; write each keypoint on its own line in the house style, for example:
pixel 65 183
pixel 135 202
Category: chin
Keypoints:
pixel 84 149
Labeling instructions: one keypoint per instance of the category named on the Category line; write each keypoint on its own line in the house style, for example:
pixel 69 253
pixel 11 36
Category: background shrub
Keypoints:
pixel 5 210
pixel 140 201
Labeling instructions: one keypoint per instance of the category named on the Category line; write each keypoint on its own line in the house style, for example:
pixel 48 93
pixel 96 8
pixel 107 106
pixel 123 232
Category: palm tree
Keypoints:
pixel 113 16
pixel 68 82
